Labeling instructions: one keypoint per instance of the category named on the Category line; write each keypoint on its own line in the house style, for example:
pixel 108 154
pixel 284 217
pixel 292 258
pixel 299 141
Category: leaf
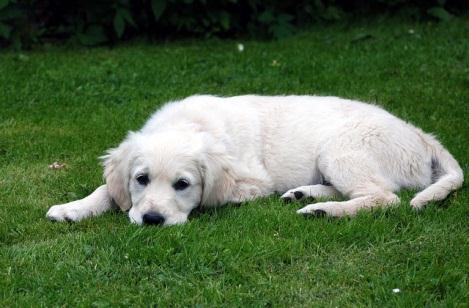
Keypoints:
pixel 3 3
pixel 285 18
pixel 266 17
pixel 94 35
pixel 158 7
pixel 439 13
pixel 10 13
pixel 122 18
pixel 128 18
pixel 332 13
pixel 281 30
pixel 119 24
pixel 16 42
pixel 5 31
pixel 224 20
pixel 57 165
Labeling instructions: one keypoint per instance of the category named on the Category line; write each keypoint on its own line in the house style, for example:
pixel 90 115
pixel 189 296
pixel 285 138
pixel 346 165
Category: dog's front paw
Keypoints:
pixel 418 204
pixel 65 212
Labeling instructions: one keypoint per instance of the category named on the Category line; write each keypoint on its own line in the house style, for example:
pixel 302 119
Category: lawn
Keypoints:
pixel 70 104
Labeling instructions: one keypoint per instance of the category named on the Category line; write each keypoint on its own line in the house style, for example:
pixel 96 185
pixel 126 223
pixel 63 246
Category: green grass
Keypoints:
pixel 70 105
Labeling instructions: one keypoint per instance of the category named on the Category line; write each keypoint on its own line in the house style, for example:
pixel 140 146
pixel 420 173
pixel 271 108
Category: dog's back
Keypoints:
pixel 288 135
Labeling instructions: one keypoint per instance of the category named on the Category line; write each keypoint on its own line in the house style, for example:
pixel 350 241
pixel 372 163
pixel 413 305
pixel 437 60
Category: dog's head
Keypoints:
pixel 162 177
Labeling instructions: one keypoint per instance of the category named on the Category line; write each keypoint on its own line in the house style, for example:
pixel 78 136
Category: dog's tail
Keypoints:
pixel 448 175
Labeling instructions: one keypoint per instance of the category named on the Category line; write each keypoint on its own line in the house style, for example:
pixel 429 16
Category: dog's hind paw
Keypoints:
pixel 313 210
pixel 321 209
pixel 292 195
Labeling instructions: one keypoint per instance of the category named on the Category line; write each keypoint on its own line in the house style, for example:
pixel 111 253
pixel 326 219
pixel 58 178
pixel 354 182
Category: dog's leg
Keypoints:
pixel 93 205
pixel 354 175
pixel 350 207
pixel 249 189
pixel 315 191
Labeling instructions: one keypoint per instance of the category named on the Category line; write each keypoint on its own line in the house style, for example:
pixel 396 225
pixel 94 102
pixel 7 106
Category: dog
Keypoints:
pixel 208 151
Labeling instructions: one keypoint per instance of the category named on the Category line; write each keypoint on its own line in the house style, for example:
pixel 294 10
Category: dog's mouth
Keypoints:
pixel 153 218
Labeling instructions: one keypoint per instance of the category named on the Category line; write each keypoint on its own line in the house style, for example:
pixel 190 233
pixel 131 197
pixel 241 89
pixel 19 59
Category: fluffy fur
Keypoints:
pixel 238 148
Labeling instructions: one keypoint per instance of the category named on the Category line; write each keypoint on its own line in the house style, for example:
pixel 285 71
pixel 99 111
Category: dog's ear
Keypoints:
pixel 117 173
pixel 216 168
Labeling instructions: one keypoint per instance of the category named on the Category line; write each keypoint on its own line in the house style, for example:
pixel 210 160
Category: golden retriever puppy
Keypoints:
pixel 208 151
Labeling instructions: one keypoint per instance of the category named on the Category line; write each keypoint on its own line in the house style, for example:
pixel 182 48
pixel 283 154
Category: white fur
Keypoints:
pixel 238 148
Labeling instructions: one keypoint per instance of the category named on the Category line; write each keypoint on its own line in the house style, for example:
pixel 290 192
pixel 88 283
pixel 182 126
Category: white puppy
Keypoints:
pixel 207 151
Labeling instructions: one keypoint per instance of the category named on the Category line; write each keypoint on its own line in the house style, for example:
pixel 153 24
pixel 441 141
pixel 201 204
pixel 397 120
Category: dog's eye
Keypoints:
pixel 143 179
pixel 181 184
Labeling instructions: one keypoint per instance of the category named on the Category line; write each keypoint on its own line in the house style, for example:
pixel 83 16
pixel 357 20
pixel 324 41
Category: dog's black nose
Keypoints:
pixel 153 219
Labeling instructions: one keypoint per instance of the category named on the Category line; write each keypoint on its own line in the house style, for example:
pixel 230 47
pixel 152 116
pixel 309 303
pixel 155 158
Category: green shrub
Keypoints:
pixel 24 23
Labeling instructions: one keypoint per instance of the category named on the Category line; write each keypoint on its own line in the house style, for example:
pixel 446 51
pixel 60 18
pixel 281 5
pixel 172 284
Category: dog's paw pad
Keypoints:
pixel 68 219
pixel 293 195
pixel 298 195
pixel 52 219
pixel 313 210
pixel 319 213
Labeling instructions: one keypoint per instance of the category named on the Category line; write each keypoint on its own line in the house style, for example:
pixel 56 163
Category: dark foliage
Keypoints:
pixel 24 23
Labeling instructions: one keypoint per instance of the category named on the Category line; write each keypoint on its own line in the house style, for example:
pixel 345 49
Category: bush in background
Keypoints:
pixel 24 23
